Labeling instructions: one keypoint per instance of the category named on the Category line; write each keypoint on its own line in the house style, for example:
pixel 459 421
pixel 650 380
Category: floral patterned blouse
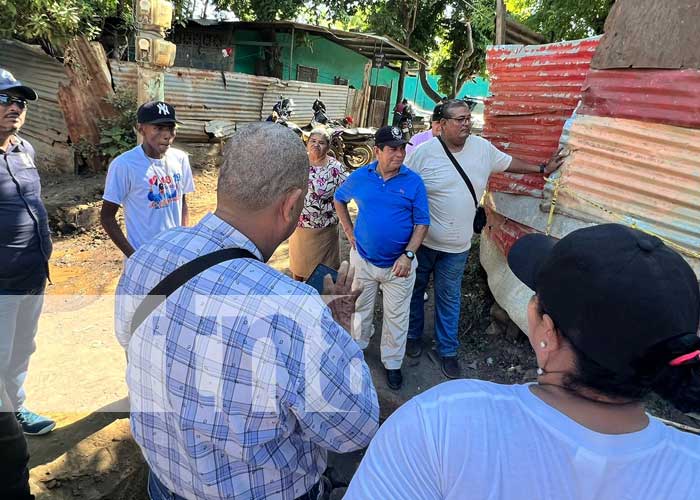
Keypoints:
pixel 318 211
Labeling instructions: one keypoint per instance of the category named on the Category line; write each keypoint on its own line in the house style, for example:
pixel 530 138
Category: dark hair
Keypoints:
pixel 680 385
pixel 448 106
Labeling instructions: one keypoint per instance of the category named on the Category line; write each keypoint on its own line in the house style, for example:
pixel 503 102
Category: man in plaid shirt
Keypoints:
pixel 243 379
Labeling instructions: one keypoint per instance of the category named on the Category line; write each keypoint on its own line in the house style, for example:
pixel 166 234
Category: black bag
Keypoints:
pixel 480 216
pixel 179 277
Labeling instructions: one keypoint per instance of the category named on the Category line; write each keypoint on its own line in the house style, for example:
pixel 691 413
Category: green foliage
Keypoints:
pixel 54 22
pixel 562 19
pixel 116 134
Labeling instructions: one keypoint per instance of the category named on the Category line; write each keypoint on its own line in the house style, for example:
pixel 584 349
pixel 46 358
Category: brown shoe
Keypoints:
pixel 450 367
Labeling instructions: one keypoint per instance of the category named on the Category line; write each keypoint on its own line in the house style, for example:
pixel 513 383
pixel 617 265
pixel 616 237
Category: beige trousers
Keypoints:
pixel 397 306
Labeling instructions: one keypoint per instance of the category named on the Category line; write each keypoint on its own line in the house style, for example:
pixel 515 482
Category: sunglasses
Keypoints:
pixel 8 100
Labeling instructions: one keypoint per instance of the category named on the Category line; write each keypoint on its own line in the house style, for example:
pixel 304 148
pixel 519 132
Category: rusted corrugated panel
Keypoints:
pixel 660 96
pixel 534 90
pixel 642 174
pixel 335 97
pixel 650 34
pixel 44 127
pixel 201 96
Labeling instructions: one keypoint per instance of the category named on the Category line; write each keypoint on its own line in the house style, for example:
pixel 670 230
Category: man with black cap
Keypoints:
pixel 392 221
pixel 25 248
pixel 425 136
pixel 150 181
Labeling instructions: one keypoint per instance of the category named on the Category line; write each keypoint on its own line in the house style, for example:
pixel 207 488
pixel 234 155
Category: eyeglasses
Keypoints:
pixel 459 119
pixel 8 100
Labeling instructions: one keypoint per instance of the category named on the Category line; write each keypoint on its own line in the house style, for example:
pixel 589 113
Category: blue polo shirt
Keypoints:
pixel 387 211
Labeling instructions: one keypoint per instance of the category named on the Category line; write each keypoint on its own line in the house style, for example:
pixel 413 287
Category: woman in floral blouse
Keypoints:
pixel 315 240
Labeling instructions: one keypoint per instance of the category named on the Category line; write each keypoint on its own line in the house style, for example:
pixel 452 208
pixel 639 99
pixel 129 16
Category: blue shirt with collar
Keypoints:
pixel 387 211
pixel 25 240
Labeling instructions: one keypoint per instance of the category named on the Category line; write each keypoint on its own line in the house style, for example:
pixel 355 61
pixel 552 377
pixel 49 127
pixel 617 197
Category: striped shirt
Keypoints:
pixel 241 381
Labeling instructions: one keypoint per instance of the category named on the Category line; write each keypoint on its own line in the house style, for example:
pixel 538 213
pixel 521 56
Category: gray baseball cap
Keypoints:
pixel 9 82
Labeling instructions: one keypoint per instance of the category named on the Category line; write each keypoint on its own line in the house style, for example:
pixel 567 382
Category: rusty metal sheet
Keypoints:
pixel 335 97
pixel 534 90
pixel 650 34
pixel 202 96
pixel 660 96
pixel 44 127
pixel 636 173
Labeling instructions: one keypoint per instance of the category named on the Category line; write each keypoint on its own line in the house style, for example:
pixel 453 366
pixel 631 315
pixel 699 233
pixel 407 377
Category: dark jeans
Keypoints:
pixel 14 457
pixel 447 270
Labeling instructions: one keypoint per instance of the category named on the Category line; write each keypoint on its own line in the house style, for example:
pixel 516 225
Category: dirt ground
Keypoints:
pixel 77 373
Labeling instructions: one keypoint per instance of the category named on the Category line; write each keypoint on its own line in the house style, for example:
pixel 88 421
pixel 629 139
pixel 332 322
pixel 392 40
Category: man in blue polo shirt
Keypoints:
pixel 392 221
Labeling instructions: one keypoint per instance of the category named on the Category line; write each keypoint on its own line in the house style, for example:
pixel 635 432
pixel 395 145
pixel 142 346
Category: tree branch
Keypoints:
pixel 425 84
pixel 457 80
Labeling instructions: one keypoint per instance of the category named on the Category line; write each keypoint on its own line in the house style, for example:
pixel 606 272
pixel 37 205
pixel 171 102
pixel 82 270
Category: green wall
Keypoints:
pixel 333 60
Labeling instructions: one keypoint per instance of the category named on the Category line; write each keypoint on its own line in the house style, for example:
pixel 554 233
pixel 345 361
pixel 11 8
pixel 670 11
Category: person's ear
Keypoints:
pixel 290 205
pixel 550 334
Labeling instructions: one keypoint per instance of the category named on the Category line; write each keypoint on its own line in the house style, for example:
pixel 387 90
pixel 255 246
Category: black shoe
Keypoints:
pixel 414 348
pixel 394 379
pixel 450 367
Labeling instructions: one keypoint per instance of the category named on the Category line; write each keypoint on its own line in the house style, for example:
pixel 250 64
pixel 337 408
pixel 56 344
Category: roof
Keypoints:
pixel 366 44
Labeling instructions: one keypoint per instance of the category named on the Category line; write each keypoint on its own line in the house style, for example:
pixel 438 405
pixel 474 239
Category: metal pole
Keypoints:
pixel 291 56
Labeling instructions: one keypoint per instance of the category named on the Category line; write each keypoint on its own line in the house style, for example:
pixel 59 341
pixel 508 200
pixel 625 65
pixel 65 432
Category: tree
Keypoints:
pixel 562 19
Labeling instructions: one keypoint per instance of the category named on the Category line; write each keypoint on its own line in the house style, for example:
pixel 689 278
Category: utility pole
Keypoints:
pixel 501 22
pixel 153 52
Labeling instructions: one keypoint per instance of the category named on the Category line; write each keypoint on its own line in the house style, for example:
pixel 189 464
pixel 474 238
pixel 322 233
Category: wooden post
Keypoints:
pixel 500 22
pixel 291 57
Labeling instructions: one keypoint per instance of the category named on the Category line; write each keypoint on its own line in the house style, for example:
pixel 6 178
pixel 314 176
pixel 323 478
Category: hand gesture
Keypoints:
pixel 341 297
pixel 556 161
pixel 402 267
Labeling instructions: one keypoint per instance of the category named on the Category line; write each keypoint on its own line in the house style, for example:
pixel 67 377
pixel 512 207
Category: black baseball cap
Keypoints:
pixel 437 113
pixel 618 294
pixel 389 136
pixel 9 82
pixel 156 112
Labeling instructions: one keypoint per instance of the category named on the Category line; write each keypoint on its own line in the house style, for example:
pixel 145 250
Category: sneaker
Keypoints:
pixel 32 423
pixel 450 367
pixel 394 379
pixel 414 348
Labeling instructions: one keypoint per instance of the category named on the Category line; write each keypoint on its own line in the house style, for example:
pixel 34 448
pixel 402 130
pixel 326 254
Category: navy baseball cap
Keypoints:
pixel 618 294
pixel 389 136
pixel 156 112
pixel 9 82
pixel 437 113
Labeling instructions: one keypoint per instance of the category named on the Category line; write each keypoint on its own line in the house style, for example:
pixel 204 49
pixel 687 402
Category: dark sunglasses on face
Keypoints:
pixel 8 100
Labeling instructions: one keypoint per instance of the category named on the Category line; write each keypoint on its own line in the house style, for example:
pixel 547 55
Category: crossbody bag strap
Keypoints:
pixel 179 277
pixel 464 176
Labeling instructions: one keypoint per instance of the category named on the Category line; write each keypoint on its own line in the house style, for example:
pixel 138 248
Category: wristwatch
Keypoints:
pixel 409 254
pixel 543 168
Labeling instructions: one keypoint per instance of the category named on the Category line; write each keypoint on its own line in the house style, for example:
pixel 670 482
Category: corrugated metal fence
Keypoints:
pixel 44 127
pixel 201 96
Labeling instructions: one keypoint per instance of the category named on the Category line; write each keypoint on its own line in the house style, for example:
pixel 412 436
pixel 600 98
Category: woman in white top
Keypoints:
pixel 614 317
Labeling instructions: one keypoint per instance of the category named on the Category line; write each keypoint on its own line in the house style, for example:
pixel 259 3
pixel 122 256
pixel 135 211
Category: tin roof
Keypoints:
pixel 535 89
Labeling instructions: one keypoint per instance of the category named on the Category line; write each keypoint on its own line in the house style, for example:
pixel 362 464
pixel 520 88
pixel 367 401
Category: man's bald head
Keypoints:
pixel 262 161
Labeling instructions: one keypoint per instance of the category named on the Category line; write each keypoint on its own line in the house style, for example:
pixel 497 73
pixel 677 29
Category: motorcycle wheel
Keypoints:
pixel 359 156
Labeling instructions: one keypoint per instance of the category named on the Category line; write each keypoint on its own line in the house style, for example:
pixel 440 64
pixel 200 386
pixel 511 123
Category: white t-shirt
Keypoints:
pixel 451 205
pixel 150 191
pixel 479 440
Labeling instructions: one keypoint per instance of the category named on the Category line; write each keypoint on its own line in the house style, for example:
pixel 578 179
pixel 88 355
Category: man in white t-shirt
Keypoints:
pixel 446 247
pixel 150 181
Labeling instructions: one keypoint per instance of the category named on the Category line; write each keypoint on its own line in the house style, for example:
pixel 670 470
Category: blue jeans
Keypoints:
pixel 447 269
pixel 19 318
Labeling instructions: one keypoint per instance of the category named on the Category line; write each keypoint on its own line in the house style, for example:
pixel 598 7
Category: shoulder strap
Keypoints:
pixel 460 171
pixel 179 277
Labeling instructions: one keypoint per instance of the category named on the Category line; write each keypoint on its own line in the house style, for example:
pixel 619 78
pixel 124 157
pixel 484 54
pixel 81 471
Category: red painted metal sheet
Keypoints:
pixel 670 97
pixel 504 232
pixel 535 90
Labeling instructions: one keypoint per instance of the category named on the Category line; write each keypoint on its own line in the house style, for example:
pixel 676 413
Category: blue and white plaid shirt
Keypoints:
pixel 241 380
